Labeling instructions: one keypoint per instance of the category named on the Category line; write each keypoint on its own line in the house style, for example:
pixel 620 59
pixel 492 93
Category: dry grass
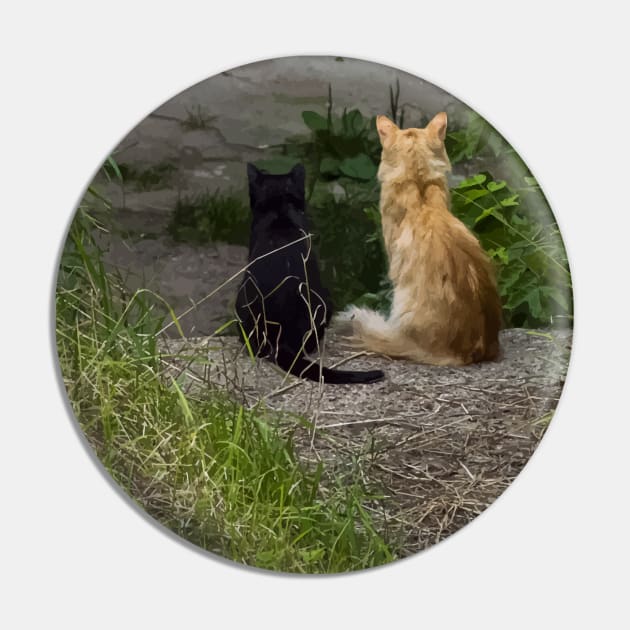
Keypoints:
pixel 436 445
pixel 244 460
pixel 432 446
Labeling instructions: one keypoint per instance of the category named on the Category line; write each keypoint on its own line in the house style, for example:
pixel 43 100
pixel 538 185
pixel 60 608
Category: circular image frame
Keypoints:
pixel 208 434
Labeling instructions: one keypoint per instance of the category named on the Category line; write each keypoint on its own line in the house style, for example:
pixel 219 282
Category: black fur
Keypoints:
pixel 281 304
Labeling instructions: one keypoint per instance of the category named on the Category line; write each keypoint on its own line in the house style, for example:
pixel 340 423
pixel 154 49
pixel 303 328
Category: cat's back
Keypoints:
pixel 457 308
pixel 275 274
pixel 448 246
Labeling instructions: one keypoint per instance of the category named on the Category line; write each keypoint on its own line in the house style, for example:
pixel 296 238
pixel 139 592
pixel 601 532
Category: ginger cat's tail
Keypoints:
pixel 372 332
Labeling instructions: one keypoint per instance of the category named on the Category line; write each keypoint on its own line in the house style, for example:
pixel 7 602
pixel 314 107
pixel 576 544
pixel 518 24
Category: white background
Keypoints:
pixel 553 551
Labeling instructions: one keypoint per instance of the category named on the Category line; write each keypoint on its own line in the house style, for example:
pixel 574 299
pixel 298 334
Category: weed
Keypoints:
pixel 475 139
pixel 340 223
pixel 396 112
pixel 224 477
pixel 525 244
pixel 197 118
pixel 341 153
pixel 211 217
pixel 344 146
pixel 515 226
pixel 155 177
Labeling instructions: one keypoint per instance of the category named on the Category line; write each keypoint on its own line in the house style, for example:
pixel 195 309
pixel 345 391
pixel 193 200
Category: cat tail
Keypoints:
pixel 372 332
pixel 298 365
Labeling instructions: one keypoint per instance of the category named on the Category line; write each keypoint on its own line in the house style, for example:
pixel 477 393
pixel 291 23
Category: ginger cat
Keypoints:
pixel 446 309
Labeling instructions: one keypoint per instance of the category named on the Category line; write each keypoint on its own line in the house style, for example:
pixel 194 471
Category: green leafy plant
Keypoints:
pixel 344 146
pixel 519 233
pixel 341 152
pixel 209 217
pixel 349 245
pixel 515 227
pixel 475 139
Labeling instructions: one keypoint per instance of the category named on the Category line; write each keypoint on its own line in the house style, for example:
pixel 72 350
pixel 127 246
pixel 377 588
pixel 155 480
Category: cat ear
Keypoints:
pixel 437 126
pixel 386 130
pixel 297 177
pixel 253 180
pixel 297 173
pixel 252 172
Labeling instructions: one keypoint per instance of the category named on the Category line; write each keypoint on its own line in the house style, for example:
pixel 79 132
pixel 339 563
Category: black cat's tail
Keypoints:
pixel 304 368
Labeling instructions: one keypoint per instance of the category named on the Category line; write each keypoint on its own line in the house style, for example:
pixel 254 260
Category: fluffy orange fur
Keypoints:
pixel 446 309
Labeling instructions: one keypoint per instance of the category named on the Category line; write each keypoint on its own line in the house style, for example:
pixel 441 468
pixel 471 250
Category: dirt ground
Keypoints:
pixel 182 274
pixel 437 444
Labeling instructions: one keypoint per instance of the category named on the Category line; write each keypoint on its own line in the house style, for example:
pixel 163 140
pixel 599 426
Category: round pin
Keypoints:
pixel 314 314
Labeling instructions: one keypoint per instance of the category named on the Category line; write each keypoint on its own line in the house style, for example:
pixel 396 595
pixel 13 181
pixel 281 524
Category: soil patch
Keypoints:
pixel 436 445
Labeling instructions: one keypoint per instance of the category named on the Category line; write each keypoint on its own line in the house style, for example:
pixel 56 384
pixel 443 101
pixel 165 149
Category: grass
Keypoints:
pixel 181 426
pixel 154 177
pixel 197 118
pixel 209 217
pixel 221 475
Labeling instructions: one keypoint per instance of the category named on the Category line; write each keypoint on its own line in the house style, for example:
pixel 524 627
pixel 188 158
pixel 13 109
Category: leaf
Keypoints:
pixel 314 121
pixel 494 186
pixel 312 555
pixel 533 300
pixel 358 167
pixel 264 557
pixel 455 141
pixel 374 215
pixel 519 292
pixel 355 122
pixel 475 193
pixel 95 193
pixel 486 213
pixel 329 166
pixel 510 274
pixel 480 178
pixel 111 163
pixel 500 254
pixel 536 262
pixel 510 201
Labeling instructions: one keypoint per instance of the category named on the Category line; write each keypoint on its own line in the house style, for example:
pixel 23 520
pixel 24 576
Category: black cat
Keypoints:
pixel 281 304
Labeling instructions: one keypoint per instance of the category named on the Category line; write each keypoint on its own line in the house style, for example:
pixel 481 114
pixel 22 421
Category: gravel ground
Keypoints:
pixel 183 274
pixel 438 444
